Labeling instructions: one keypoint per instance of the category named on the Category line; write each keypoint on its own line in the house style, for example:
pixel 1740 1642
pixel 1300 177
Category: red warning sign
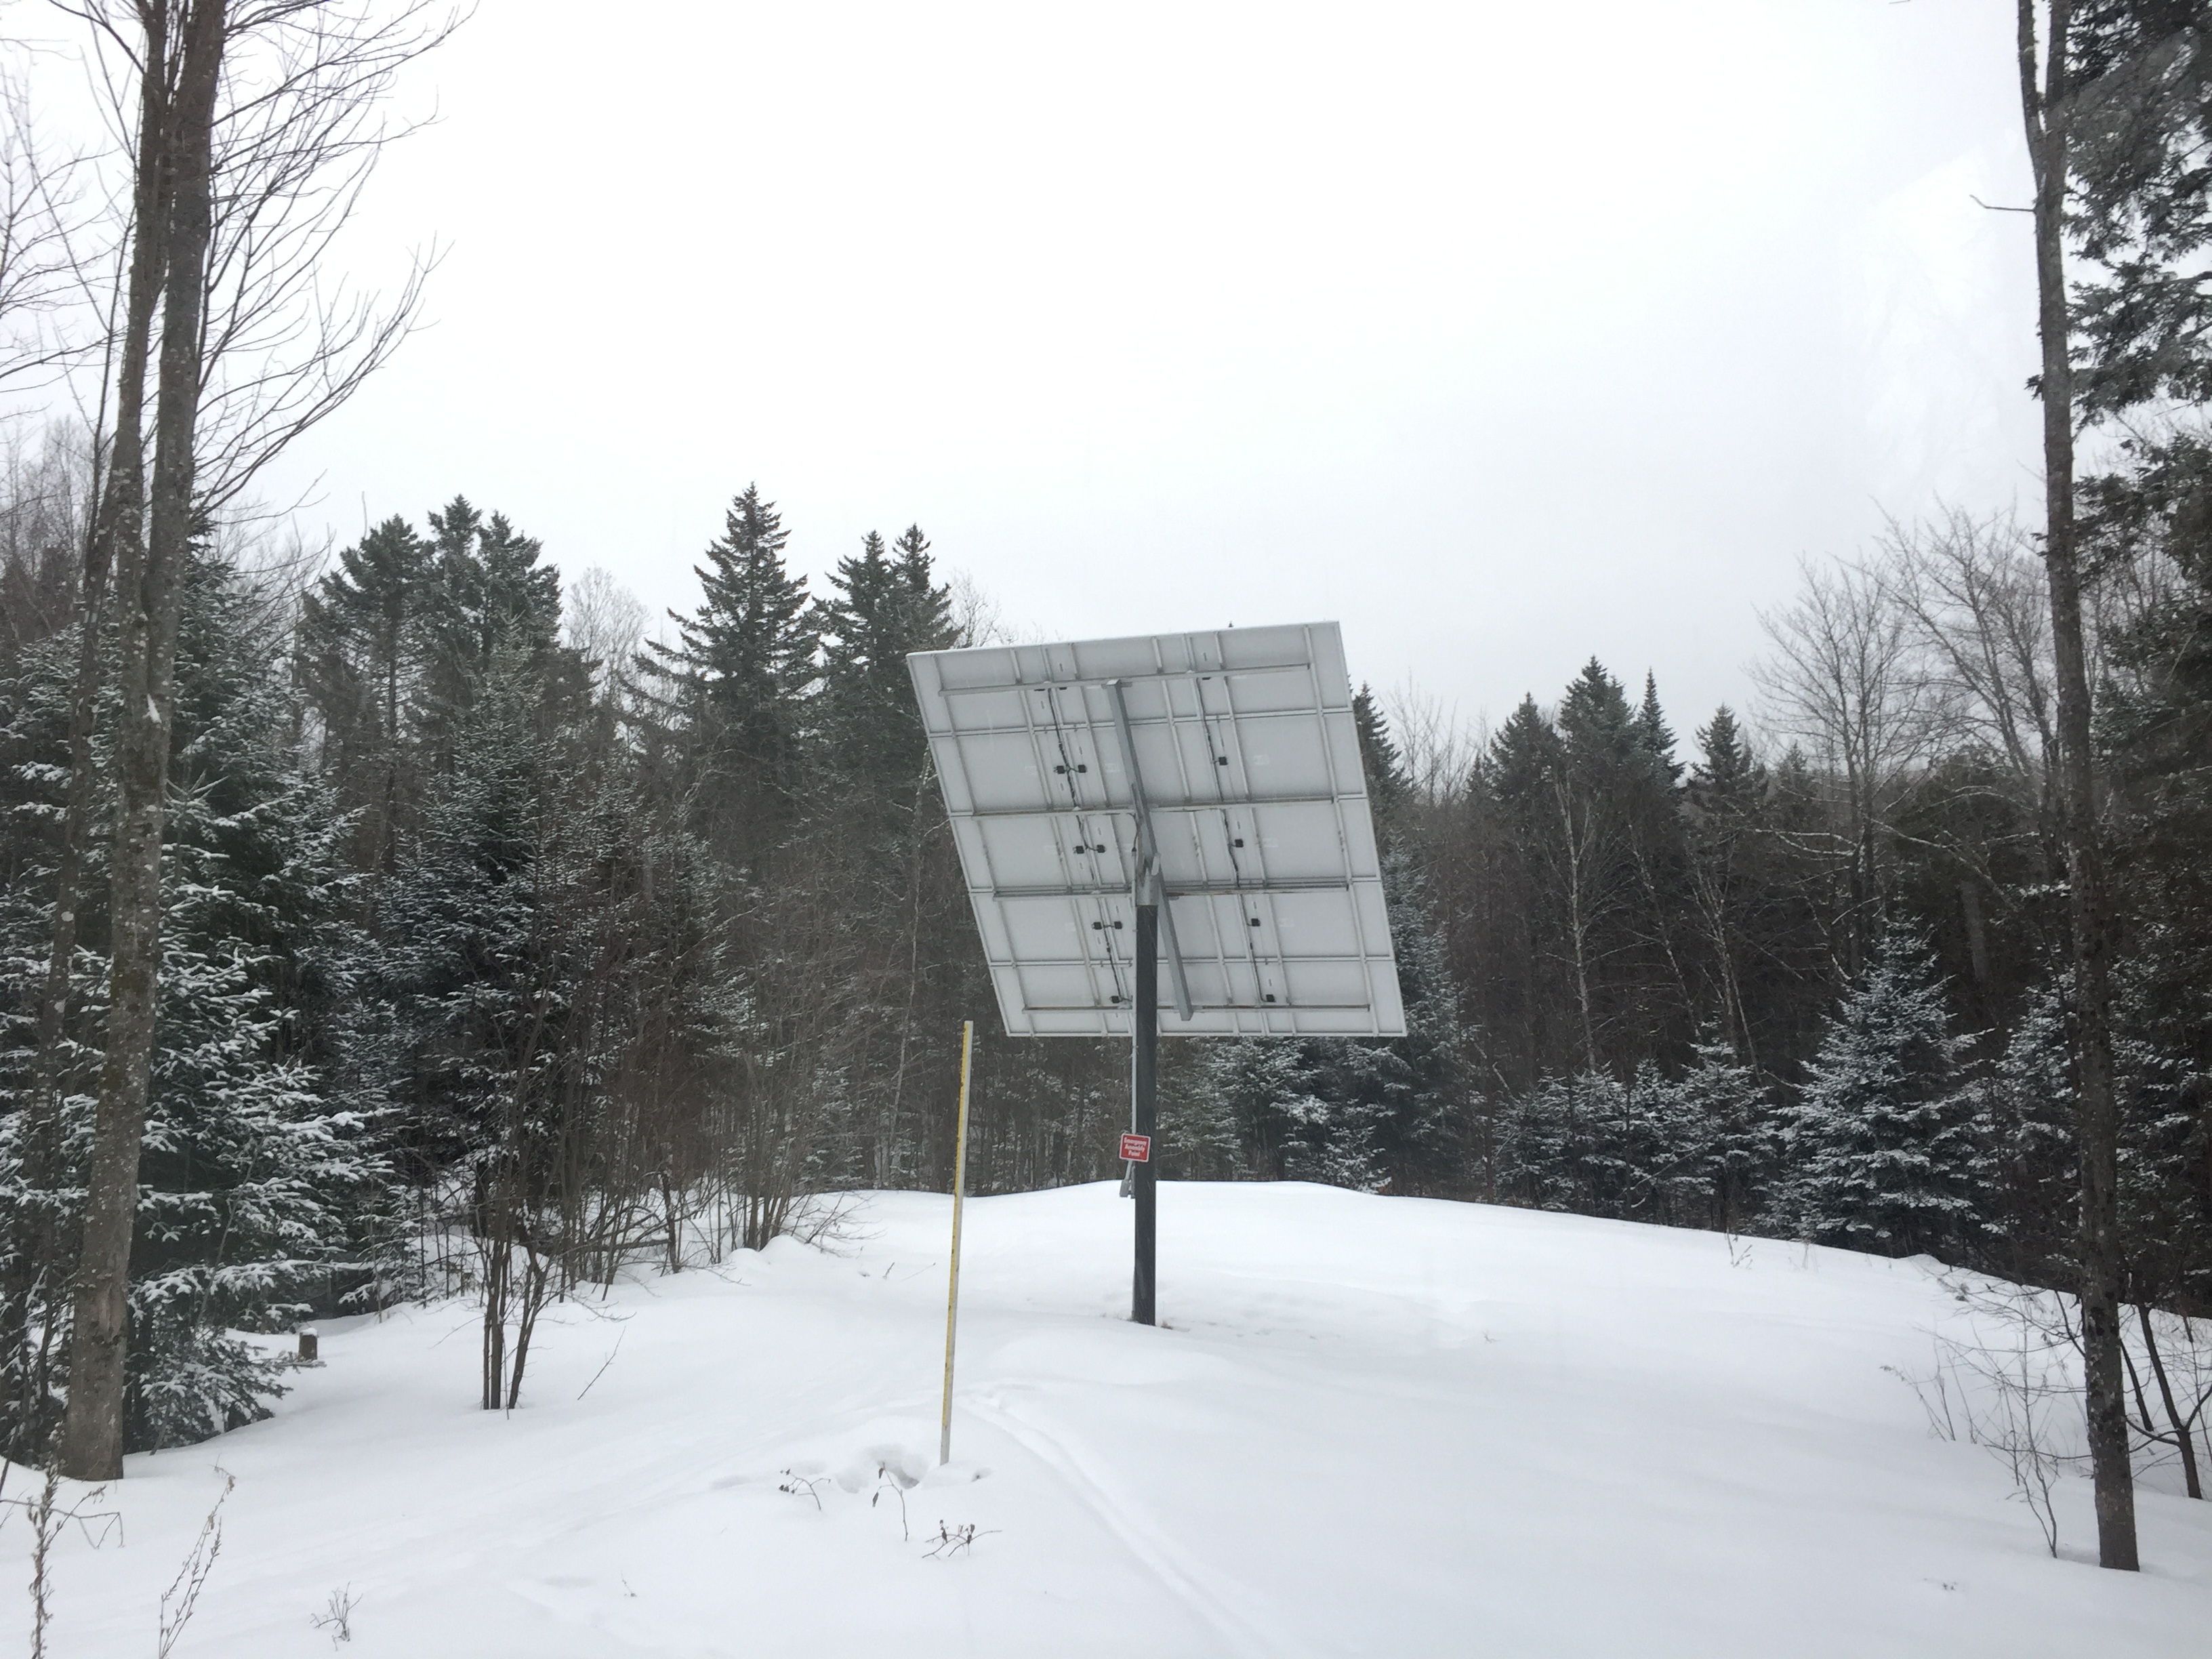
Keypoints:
pixel 1136 1149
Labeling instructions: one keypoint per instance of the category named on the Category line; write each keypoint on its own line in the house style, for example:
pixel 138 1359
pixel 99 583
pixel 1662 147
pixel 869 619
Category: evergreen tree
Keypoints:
pixel 737 681
pixel 885 603
pixel 1595 718
pixel 1727 778
pixel 1615 857
pixel 366 637
pixel 1561 1146
pixel 258 1166
pixel 1882 1140
pixel 1521 756
pixel 40 1139
pixel 1766 960
pixel 871 814
pixel 1206 1097
pixel 1654 736
pixel 1654 1151
pixel 466 934
pixel 2165 1155
pixel 1388 790
pixel 1720 810
pixel 495 599
pixel 2027 1129
pixel 495 591
pixel 1726 1145
pixel 2157 735
pixel 1514 976
pixel 1265 1089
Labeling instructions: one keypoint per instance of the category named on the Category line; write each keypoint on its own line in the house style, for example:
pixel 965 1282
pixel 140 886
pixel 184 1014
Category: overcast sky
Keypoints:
pixel 1504 334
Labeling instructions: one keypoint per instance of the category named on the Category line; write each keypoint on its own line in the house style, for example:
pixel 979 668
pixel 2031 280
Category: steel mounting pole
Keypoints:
pixel 1148 895
pixel 1144 1047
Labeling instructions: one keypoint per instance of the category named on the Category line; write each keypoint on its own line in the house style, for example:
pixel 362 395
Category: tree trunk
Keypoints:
pixel 2184 1441
pixel 2047 111
pixel 1577 921
pixel 149 578
pixel 118 518
pixel 1978 937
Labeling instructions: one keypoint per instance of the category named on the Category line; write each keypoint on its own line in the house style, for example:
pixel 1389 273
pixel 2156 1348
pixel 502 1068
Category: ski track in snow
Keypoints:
pixel 1206 1595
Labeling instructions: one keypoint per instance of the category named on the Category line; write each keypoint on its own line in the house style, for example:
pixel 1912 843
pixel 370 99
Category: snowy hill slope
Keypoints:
pixel 1373 1425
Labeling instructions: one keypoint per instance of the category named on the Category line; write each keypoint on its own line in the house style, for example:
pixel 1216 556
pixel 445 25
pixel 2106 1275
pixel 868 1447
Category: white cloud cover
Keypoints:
pixel 1506 335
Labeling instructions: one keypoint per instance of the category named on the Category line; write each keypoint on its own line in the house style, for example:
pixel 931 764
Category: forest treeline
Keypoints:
pixel 504 946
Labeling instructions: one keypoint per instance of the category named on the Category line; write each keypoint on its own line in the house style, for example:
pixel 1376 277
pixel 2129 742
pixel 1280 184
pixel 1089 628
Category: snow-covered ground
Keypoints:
pixel 1370 1425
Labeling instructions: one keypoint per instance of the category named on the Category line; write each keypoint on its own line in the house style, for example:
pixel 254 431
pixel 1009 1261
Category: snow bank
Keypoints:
pixel 1372 1425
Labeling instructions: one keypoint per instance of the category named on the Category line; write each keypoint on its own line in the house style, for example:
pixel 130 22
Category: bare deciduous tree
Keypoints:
pixel 604 622
pixel 1844 681
pixel 284 342
pixel 41 216
pixel 254 135
pixel 180 78
pixel 1974 589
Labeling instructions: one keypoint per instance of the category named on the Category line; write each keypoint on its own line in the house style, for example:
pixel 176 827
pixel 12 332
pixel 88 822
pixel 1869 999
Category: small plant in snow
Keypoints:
pixel 886 1482
pixel 827 1221
pixel 800 1486
pixel 47 1518
pixel 2003 1392
pixel 184 1592
pixel 950 1541
pixel 42 1510
pixel 337 1616
pixel 1934 1393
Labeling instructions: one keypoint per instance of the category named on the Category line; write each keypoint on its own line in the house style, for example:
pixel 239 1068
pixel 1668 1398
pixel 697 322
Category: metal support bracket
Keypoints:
pixel 1148 888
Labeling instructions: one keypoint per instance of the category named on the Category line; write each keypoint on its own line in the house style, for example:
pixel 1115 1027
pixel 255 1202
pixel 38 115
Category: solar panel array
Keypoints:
pixel 1249 758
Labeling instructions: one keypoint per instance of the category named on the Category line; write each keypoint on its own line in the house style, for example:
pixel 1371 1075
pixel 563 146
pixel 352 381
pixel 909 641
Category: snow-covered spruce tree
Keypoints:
pixel 1201 1109
pixel 732 692
pixel 39 1214
pixel 666 1010
pixel 1695 1151
pixel 1196 1139
pixel 258 1166
pixel 564 1010
pixel 2166 1143
pixel 495 599
pixel 2156 725
pixel 872 809
pixel 255 1168
pixel 1408 1089
pixel 1536 1155
pixel 1265 1091
pixel 884 603
pixel 480 961
pixel 1882 1143
pixel 1726 1138
pixel 462 931
pixel 1560 1145
pixel 1389 1104
pixel 2027 1131
pixel 1662 1153
pixel 362 649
